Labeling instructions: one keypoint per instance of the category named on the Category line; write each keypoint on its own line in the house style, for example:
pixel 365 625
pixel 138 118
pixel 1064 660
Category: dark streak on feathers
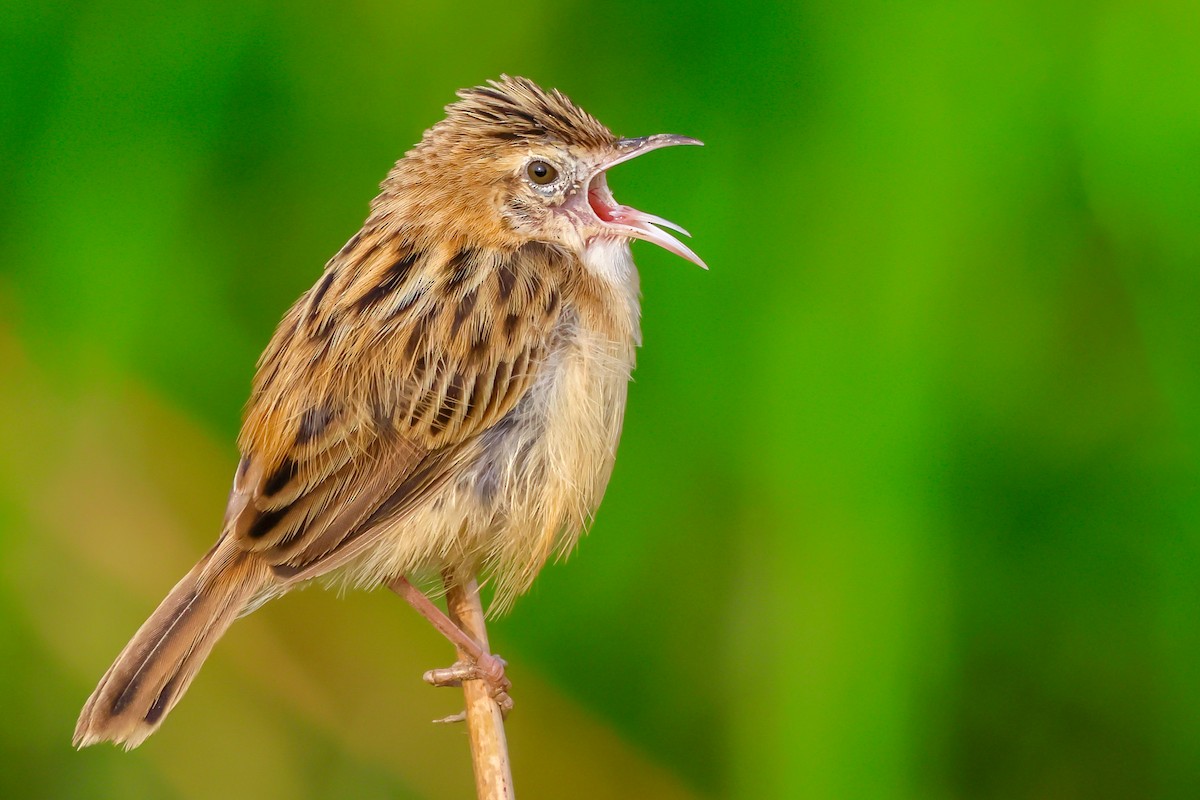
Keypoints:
pixel 459 268
pixel 312 424
pixel 392 280
pixel 454 393
pixel 510 326
pixel 121 701
pixel 281 477
pixel 419 328
pixel 322 287
pixel 265 521
pixel 165 695
pixel 464 309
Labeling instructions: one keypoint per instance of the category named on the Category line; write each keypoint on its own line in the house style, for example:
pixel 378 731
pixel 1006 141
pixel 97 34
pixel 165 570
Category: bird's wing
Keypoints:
pixel 375 389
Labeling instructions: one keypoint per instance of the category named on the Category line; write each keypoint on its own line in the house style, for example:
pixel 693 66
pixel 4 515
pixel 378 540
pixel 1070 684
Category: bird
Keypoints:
pixel 447 397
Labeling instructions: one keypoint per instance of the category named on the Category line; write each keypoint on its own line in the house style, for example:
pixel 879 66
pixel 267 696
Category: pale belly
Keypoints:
pixel 546 466
pixel 535 479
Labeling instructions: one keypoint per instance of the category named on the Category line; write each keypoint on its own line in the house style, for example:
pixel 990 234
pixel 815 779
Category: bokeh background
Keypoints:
pixel 908 503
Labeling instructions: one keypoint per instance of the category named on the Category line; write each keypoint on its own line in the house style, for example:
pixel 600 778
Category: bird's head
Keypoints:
pixel 519 163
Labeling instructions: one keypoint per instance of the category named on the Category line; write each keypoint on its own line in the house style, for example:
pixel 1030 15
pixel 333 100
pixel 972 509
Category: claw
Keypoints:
pixel 450 676
pixel 505 702
pixel 489 669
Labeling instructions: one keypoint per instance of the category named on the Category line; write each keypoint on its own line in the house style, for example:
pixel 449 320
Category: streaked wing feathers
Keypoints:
pixel 375 386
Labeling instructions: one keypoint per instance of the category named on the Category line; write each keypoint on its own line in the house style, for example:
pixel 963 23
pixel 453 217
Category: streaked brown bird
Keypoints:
pixel 447 397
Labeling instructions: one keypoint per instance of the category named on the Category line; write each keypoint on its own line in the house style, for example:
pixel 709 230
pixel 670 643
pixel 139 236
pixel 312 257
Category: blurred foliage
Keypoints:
pixel 908 503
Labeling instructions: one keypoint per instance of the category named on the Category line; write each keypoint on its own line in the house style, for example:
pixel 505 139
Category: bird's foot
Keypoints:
pixel 487 668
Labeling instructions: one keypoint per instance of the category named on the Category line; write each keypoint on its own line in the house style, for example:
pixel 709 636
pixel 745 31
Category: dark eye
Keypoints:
pixel 541 173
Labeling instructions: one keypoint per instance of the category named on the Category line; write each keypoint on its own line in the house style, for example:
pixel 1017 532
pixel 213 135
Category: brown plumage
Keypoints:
pixel 448 396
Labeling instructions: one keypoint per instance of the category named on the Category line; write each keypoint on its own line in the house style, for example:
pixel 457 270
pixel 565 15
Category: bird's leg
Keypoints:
pixel 478 663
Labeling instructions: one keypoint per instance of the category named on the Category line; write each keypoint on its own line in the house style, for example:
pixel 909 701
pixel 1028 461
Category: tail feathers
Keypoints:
pixel 155 668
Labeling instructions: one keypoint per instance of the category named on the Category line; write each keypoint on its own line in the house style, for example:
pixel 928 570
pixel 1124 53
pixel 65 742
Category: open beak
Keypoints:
pixel 625 221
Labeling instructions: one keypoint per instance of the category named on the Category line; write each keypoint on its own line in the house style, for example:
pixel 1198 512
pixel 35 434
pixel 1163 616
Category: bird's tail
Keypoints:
pixel 154 670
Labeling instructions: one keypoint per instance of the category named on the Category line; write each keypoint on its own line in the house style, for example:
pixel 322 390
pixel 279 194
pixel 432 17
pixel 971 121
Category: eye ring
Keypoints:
pixel 541 172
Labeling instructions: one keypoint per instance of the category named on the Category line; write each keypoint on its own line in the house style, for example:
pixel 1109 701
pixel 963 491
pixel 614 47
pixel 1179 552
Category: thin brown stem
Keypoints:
pixel 485 722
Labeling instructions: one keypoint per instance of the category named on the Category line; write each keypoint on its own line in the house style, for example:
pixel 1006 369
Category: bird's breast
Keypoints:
pixel 546 464
pixel 557 445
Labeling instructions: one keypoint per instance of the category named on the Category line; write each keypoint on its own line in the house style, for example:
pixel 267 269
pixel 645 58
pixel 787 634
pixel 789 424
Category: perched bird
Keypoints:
pixel 447 397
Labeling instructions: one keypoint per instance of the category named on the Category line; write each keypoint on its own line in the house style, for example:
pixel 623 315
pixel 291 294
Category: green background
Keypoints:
pixel 908 499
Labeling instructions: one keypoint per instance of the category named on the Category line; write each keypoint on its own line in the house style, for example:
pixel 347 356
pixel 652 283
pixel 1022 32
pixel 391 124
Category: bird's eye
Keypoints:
pixel 541 172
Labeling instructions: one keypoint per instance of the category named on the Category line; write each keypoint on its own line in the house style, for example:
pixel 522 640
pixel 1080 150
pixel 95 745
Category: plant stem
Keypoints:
pixel 485 723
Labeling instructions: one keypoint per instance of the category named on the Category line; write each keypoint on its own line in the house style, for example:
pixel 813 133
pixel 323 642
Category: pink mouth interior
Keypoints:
pixel 599 204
